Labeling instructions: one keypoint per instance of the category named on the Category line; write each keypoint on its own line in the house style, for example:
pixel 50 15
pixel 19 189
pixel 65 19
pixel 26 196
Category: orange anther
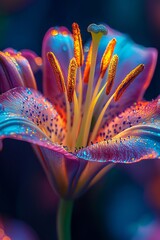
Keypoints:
pixel 87 65
pixel 111 73
pixel 107 55
pixel 72 73
pixel 78 48
pixel 127 81
pixel 57 71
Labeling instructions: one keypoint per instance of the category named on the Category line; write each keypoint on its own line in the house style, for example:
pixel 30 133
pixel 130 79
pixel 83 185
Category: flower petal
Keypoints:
pixel 59 169
pixel 15 71
pixel 91 173
pixel 34 60
pixel 138 139
pixel 60 42
pixel 130 55
pixel 9 74
pixel 140 113
pixel 70 177
pixel 28 109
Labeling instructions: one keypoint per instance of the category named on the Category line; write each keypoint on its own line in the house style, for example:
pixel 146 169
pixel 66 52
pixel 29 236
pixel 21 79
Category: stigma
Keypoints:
pixel 80 103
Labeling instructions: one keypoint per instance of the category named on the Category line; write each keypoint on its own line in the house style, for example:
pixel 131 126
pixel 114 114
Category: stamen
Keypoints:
pixel 72 73
pixel 57 71
pixel 127 81
pixel 76 121
pixel 87 66
pixel 99 120
pixel 78 48
pixel 106 58
pixel 111 73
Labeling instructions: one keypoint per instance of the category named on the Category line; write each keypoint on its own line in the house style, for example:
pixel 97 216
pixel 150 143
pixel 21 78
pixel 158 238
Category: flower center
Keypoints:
pixel 80 105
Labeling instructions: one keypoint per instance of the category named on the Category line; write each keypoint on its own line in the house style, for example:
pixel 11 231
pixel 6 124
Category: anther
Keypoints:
pixel 127 81
pixel 72 72
pixel 78 48
pixel 87 66
pixel 57 71
pixel 111 73
pixel 106 58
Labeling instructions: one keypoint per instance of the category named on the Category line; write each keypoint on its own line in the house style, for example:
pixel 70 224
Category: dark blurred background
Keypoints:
pixel 125 204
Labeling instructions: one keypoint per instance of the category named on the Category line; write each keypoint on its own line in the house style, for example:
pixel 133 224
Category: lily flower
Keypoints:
pixel 75 90
pixel 95 115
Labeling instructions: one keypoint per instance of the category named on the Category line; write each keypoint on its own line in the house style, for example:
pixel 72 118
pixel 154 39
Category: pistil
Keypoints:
pixel 97 31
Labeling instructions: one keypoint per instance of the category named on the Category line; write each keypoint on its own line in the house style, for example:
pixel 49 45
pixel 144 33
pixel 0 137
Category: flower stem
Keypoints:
pixel 64 219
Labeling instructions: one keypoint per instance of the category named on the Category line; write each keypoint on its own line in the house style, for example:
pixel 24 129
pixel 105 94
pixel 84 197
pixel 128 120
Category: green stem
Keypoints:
pixel 64 219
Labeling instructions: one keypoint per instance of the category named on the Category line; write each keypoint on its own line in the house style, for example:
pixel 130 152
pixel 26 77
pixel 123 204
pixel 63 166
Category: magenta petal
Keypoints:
pixel 23 67
pixel 60 171
pixel 89 174
pixel 60 42
pixel 70 177
pixel 27 106
pixel 141 113
pixel 130 55
pixel 139 139
pixel 9 73
pixel 34 60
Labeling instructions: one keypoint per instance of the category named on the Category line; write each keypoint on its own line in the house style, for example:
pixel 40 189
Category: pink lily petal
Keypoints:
pixel 70 177
pixel 130 55
pixel 59 170
pixel 30 107
pixel 137 139
pixel 34 60
pixel 15 71
pixel 26 71
pixel 60 42
pixel 9 73
pixel 141 113
pixel 90 174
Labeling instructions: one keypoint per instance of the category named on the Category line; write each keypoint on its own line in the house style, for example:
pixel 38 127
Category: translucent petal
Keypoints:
pixel 15 71
pixel 9 73
pixel 59 41
pixel 25 107
pixel 141 113
pixel 70 177
pixel 136 140
pixel 34 60
pixel 130 55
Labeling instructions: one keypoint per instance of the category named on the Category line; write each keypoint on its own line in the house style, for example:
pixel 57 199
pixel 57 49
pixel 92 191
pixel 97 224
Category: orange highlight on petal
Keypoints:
pixel 78 48
pixel 54 32
pixel 6 238
pixel 57 71
pixel 72 73
pixel 111 73
pixel 107 55
pixel 127 81
pixel 87 66
pixel 38 61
